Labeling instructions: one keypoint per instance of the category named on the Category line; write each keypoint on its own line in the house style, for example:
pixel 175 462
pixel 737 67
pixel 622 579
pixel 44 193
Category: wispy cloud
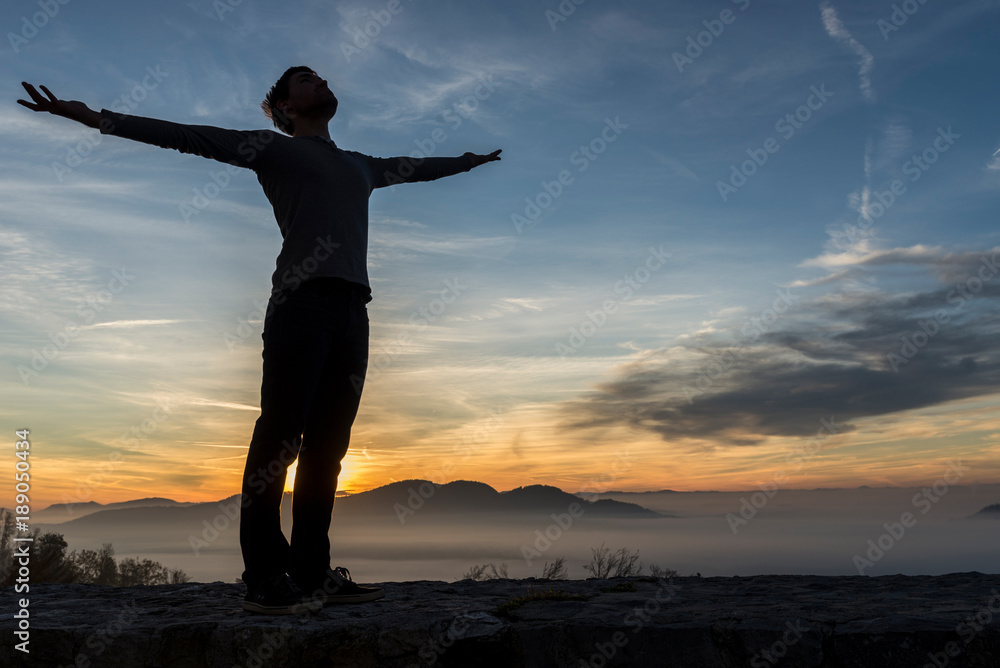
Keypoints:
pixel 223 404
pixel 675 165
pixel 130 324
pixel 835 28
pixel 881 160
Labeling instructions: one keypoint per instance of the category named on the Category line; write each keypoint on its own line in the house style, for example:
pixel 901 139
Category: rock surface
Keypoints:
pixel 948 620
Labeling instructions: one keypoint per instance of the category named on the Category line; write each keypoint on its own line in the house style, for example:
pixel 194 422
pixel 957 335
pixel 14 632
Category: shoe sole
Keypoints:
pixel 352 598
pixel 296 609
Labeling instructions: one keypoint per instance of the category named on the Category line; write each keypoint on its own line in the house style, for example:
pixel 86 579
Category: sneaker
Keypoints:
pixel 278 596
pixel 336 586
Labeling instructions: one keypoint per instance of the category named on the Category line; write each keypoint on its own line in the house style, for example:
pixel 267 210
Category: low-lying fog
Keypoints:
pixel 821 532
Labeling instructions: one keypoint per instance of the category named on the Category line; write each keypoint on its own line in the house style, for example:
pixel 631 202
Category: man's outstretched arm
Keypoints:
pixel 404 169
pixel 236 147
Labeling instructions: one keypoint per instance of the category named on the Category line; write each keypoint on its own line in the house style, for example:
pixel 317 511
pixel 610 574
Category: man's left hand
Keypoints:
pixel 483 159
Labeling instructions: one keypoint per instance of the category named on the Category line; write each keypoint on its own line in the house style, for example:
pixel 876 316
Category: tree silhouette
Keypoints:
pixel 48 562
pixel 97 566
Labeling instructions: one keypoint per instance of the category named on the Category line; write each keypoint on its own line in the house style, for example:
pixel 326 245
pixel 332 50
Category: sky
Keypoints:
pixel 728 245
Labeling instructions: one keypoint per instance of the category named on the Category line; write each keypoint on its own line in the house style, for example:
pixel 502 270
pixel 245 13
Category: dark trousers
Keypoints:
pixel 315 359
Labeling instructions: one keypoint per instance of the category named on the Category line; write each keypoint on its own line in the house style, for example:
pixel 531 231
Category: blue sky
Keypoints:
pixel 617 316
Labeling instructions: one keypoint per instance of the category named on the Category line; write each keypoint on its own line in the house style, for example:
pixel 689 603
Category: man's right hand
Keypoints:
pixel 71 109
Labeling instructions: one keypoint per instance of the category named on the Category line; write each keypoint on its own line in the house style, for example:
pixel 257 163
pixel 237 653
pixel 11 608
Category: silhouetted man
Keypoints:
pixel 316 326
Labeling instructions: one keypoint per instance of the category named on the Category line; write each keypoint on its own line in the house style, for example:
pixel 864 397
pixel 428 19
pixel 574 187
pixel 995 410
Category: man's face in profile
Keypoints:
pixel 308 94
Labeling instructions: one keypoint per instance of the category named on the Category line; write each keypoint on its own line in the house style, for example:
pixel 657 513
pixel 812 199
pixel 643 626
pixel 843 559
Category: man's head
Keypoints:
pixel 300 92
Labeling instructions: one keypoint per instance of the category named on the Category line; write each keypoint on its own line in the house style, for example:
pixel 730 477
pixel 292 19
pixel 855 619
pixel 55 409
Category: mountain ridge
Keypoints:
pixel 390 501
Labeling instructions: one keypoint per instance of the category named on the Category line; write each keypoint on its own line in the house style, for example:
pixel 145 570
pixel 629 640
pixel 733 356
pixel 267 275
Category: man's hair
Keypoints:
pixel 279 92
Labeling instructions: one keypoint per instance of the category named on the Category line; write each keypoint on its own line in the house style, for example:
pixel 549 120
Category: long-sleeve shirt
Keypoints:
pixel 318 191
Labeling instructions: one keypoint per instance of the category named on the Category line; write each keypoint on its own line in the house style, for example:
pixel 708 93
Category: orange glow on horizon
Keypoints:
pixel 355 484
pixel 344 482
pixel 906 451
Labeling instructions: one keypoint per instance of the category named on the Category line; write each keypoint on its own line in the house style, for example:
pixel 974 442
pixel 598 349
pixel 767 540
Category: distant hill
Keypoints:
pixel 991 512
pixel 457 496
pixel 59 513
pixel 70 508
pixel 147 516
pixel 453 499
pixel 464 496
pixel 613 491
pixel 92 506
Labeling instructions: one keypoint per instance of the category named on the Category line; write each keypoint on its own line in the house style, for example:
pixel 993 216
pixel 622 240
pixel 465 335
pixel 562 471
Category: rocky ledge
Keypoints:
pixel 948 620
